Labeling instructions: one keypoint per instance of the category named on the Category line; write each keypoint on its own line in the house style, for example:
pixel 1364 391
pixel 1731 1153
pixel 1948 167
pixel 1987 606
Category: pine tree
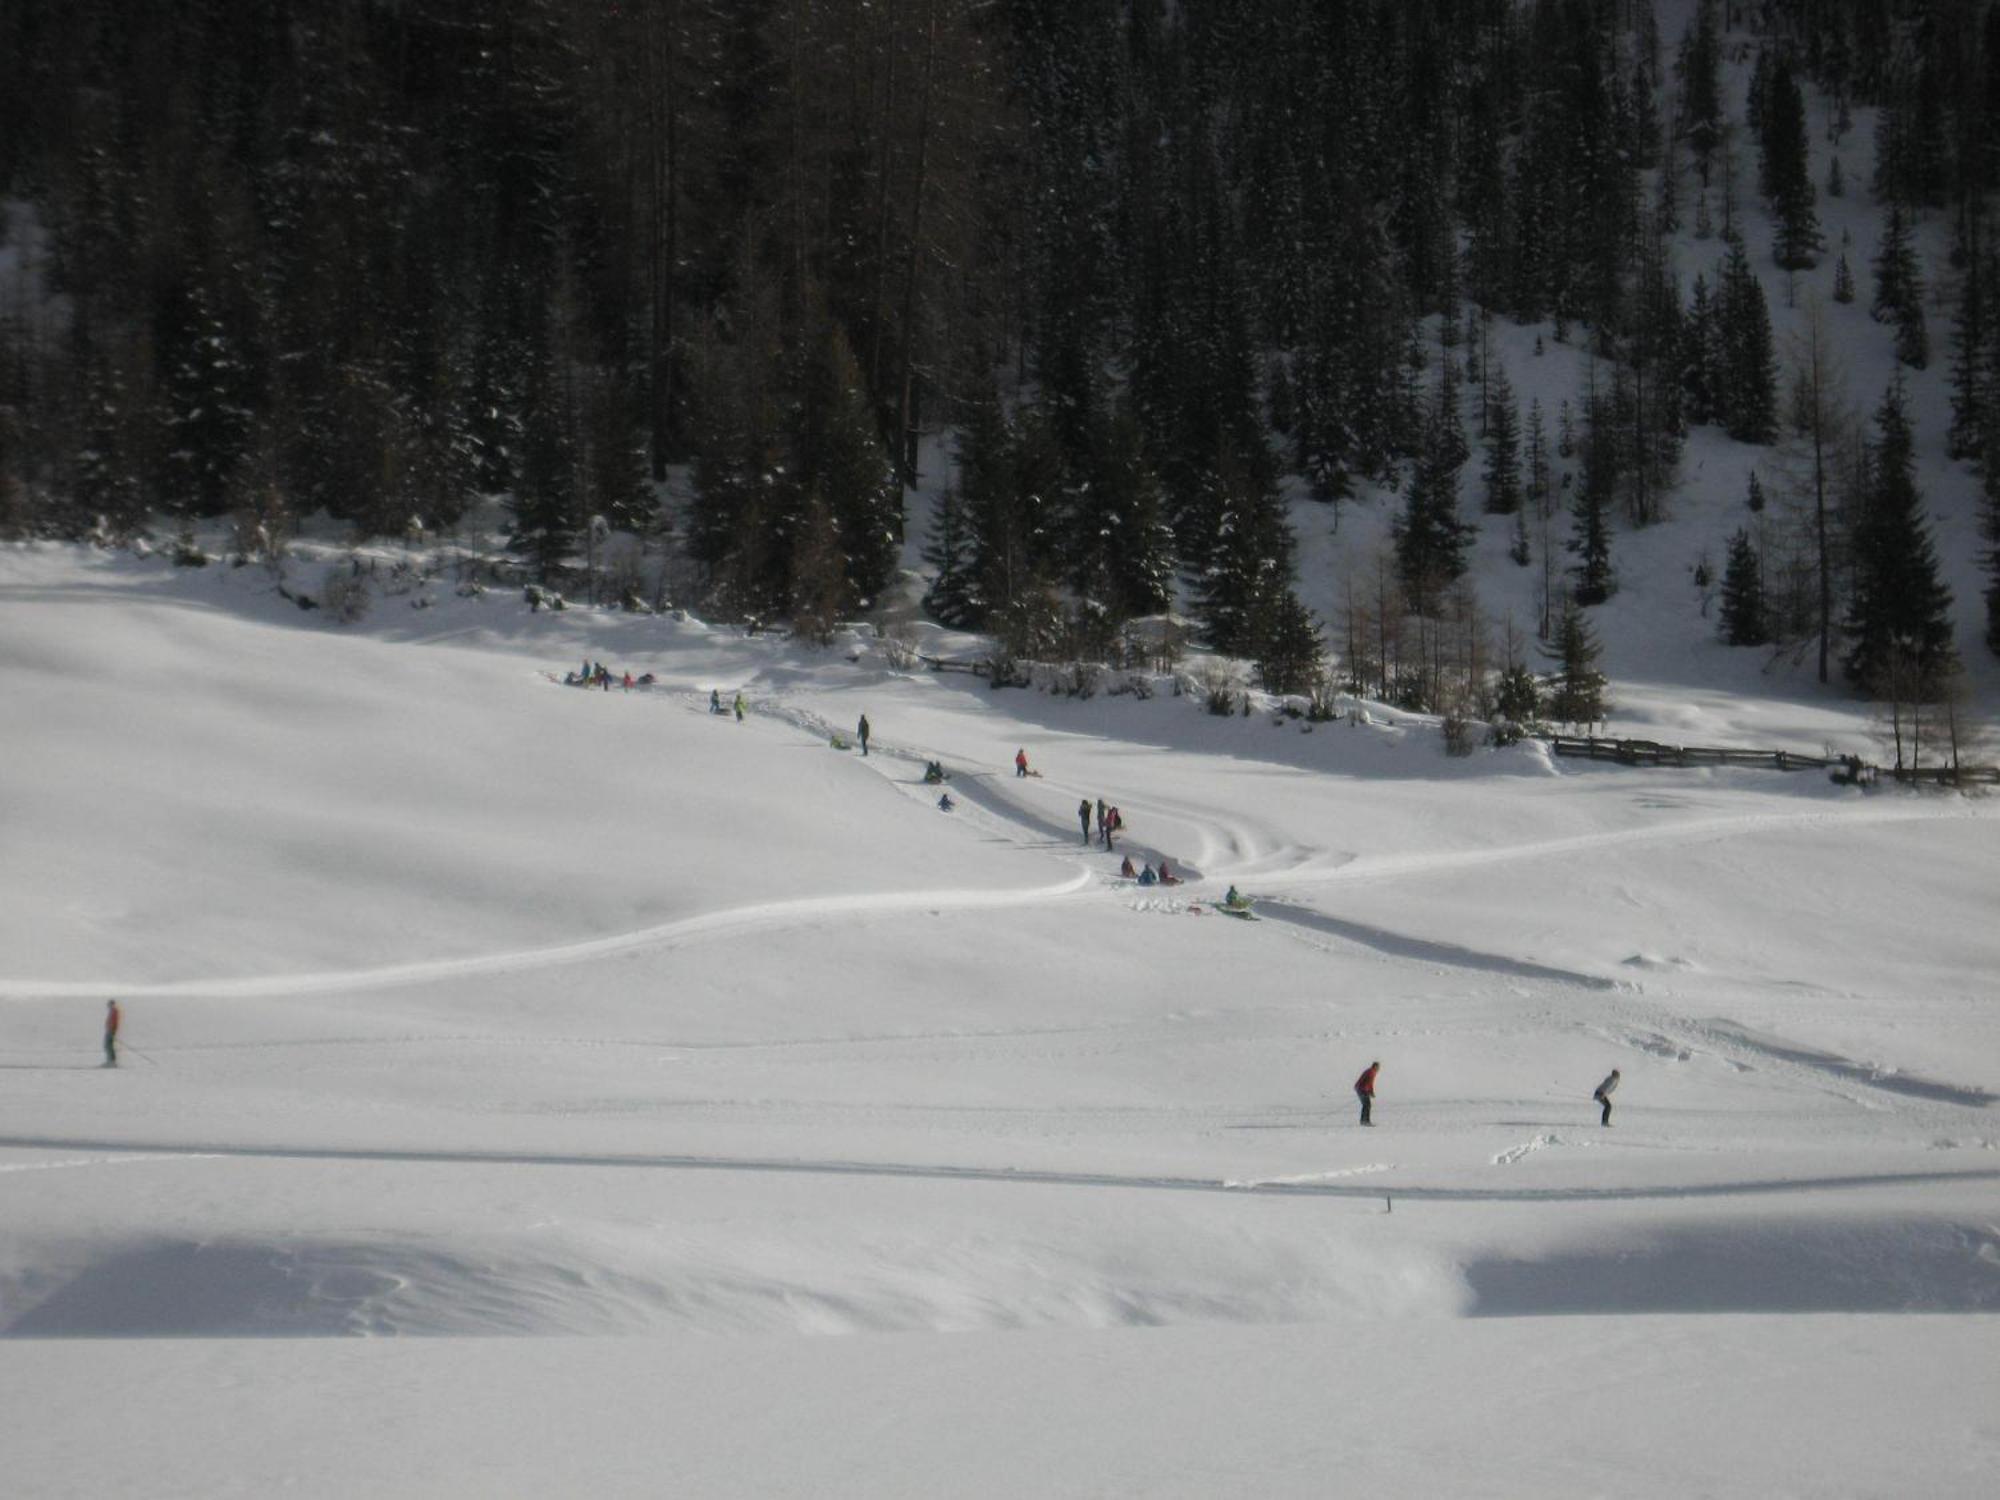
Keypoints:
pixel 1503 447
pixel 103 471
pixel 1249 568
pixel 207 413
pixel 740 525
pixel 1990 528
pixel 1590 538
pixel 818 572
pixel 837 453
pixel 1899 611
pixel 953 597
pixel 1754 495
pixel 1701 356
pixel 1293 657
pixel 1743 619
pixel 1972 392
pixel 1913 339
pixel 1843 281
pixel 1004 553
pixel 1787 177
pixel 1896 278
pixel 1899 291
pixel 546 520
pixel 1430 537
pixel 1540 486
pixel 1748 384
pixel 1125 554
pixel 1699 67
pixel 1576 695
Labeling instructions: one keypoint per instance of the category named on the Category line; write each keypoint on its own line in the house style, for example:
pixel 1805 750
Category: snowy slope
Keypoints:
pixel 465 1004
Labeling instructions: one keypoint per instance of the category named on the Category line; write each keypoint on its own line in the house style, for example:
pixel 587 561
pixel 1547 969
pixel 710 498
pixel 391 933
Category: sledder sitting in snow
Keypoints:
pixel 1147 877
pixel 1167 877
pixel 1234 898
pixel 945 804
pixel 1125 868
pixel 933 772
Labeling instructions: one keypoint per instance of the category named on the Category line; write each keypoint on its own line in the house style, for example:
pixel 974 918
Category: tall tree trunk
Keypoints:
pixel 906 438
pixel 882 214
pixel 663 217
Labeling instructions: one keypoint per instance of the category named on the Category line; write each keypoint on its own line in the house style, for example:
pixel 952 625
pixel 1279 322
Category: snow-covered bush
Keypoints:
pixel 899 647
pixel 1220 687
pixel 344 594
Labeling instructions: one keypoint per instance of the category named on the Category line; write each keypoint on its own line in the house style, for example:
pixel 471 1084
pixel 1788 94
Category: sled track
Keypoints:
pixel 708 925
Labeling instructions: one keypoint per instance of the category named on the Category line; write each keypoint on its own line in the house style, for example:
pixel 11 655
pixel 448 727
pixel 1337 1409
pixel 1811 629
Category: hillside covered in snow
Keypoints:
pixel 468 472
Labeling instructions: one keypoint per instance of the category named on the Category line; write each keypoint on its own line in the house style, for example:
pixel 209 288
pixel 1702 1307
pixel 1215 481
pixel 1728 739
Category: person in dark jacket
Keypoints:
pixel 861 733
pixel 1083 817
pixel 1364 1090
pixel 1603 1095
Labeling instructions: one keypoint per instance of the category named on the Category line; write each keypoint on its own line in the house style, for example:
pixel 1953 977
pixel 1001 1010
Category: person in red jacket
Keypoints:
pixel 1021 762
pixel 1364 1088
pixel 112 1016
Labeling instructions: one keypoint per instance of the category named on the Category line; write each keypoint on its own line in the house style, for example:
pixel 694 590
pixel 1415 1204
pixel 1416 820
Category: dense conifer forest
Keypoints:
pixel 1155 269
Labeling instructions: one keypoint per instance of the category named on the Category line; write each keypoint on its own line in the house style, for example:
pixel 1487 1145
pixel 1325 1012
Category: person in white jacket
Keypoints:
pixel 1603 1095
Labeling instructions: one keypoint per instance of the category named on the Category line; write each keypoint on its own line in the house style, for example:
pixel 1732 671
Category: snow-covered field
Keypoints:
pixel 721 1075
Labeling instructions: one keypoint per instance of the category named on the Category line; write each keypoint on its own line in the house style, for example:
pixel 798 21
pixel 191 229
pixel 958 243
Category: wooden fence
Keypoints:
pixel 1846 768
pixel 978 666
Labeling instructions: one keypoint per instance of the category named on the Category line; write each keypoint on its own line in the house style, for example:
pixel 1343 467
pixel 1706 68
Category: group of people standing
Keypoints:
pixel 596 675
pixel 1110 822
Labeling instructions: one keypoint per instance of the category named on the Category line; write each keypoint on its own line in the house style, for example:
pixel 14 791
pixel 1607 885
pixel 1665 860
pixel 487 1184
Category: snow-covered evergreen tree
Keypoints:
pixel 1577 691
pixel 1503 446
pixel 1293 658
pixel 1899 611
pixel 1743 619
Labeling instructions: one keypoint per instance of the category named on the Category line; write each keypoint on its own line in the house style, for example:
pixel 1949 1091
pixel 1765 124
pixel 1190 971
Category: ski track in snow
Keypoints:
pixel 1311 1185
pixel 1541 1142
